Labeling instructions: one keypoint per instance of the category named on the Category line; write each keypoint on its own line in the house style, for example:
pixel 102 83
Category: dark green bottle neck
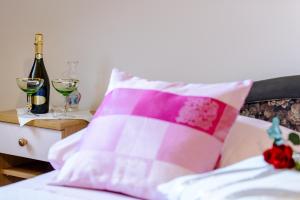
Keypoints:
pixel 38 56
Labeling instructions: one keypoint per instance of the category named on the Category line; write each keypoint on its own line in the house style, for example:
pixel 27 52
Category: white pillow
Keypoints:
pixel 248 137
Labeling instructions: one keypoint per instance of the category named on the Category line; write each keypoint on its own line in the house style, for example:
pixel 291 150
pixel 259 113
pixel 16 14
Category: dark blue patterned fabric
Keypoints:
pixel 288 111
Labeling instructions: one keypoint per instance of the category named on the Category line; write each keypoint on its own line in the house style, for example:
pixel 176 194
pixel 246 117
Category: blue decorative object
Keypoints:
pixel 275 132
pixel 73 100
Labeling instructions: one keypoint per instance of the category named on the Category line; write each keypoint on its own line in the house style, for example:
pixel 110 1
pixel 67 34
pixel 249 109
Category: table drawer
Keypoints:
pixel 39 140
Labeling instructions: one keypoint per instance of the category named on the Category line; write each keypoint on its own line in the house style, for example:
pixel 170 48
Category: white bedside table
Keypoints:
pixel 23 150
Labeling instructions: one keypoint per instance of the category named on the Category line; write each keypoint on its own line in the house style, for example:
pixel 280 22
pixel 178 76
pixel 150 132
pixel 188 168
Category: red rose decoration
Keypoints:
pixel 280 156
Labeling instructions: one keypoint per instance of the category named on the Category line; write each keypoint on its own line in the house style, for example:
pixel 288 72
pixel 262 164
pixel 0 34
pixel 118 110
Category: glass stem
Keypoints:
pixel 29 103
pixel 66 104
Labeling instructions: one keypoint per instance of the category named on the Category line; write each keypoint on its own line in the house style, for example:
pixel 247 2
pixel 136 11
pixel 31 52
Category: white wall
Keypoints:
pixel 182 40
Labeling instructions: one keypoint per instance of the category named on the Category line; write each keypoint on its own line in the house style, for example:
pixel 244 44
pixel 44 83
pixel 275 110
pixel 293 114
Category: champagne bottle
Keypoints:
pixel 40 100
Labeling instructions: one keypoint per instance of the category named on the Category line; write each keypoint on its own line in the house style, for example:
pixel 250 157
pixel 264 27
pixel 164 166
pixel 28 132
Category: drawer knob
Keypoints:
pixel 23 142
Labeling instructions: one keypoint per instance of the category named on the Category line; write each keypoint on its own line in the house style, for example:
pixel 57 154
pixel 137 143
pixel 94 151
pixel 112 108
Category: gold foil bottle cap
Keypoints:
pixel 38 38
pixel 38 43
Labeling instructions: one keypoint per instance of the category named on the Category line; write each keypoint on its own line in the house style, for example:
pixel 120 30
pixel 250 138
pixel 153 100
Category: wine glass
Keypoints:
pixel 72 72
pixel 65 87
pixel 30 86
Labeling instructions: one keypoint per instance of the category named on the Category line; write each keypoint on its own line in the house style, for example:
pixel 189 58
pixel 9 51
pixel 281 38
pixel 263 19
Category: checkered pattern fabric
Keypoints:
pixel 144 136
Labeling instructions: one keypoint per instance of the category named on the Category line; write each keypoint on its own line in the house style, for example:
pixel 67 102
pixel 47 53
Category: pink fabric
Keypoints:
pixel 162 144
pixel 62 150
pixel 202 113
pixel 225 123
pixel 146 133
pixel 105 137
pixel 190 151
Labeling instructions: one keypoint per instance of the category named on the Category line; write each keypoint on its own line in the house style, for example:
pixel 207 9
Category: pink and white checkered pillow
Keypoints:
pixel 148 132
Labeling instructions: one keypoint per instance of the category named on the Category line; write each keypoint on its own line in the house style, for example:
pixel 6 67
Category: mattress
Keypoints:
pixel 38 189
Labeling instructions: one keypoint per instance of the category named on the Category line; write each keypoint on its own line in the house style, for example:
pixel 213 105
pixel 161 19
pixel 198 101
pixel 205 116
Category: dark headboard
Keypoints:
pixel 275 97
pixel 276 88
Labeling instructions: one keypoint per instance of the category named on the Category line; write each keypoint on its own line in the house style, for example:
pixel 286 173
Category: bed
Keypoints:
pixel 250 179
pixel 38 188
pixel 266 99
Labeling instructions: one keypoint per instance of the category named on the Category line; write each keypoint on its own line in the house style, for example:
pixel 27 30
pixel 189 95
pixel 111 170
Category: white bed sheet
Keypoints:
pixel 250 179
pixel 38 189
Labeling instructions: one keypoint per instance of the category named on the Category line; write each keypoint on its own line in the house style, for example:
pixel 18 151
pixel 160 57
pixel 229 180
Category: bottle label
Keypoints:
pixel 38 100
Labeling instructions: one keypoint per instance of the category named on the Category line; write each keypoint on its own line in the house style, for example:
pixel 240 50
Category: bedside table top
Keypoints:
pixel 10 116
